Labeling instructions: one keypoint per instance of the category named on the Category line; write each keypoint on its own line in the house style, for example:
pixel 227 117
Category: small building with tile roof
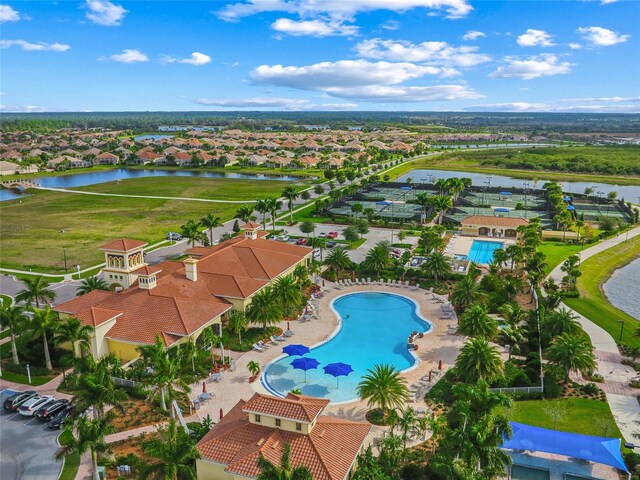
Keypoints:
pixel 327 445
pixel 492 226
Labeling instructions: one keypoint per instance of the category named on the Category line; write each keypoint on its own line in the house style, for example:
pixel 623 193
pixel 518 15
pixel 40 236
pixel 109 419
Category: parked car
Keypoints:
pixel 332 235
pixel 316 253
pixel 29 408
pixel 396 251
pixel 331 244
pixel 14 401
pixel 283 238
pixel 47 412
pixel 323 235
pixel 301 241
pixel 174 236
pixel 56 422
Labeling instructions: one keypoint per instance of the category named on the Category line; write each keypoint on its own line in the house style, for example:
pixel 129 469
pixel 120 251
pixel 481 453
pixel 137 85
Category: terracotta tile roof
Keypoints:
pixel 123 245
pixel 147 270
pixel 250 225
pixel 96 316
pixel 295 407
pixel 512 222
pixel 329 450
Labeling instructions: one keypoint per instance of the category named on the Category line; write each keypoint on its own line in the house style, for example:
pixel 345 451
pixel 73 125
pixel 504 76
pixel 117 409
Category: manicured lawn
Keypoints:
pixel 577 415
pixel 556 253
pixel 23 379
pixel 30 231
pixel 193 187
pixel 6 300
pixel 72 461
pixel 593 303
pixel 306 215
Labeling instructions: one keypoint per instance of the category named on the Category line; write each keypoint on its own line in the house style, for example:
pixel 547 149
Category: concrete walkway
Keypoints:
pixel 622 399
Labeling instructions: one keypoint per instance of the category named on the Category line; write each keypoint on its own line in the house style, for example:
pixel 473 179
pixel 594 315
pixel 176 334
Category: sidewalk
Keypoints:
pixel 621 398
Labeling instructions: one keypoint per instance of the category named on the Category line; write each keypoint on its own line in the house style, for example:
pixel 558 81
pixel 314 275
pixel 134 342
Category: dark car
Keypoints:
pixel 331 244
pixel 47 412
pixel 12 403
pixel 56 422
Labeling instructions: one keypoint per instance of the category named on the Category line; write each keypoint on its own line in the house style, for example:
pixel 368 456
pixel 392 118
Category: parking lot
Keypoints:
pixel 27 447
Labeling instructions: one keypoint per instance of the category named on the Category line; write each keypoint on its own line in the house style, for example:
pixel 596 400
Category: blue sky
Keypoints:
pixel 430 55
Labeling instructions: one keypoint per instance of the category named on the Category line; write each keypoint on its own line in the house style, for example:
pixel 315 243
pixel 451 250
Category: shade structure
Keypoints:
pixel 338 369
pixel 305 363
pixel 506 193
pixel 406 188
pixel 383 203
pixel 501 209
pixel 570 207
pixel 296 350
pixel 602 450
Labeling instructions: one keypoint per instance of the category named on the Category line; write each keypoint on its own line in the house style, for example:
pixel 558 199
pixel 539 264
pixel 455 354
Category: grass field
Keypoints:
pixel 71 461
pixel 557 252
pixel 577 415
pixel 193 187
pixel 30 231
pixel 537 163
pixel 593 303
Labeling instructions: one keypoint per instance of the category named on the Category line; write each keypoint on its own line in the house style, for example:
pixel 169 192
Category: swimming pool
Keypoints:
pixel 482 251
pixel 374 329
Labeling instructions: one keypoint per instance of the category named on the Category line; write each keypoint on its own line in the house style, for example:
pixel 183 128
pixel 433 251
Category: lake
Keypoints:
pixel 139 138
pixel 623 288
pixel 628 192
pixel 91 178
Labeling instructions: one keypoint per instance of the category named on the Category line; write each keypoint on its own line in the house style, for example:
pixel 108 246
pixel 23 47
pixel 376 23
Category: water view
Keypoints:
pixel 628 192
pixel 623 288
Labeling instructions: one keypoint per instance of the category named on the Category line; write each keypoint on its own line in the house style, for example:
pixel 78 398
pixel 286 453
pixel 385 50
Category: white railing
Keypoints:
pixel 537 389
pixel 125 382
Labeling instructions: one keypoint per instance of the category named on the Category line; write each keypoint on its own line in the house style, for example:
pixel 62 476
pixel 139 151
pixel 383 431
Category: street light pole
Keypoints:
pixel 64 253
pixel 621 322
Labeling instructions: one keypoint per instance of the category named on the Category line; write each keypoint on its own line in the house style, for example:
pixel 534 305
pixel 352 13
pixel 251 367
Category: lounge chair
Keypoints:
pixel 447 315
pixel 277 338
pixel 257 348
pixel 261 344
pixel 368 280
pixel 406 284
pixel 415 287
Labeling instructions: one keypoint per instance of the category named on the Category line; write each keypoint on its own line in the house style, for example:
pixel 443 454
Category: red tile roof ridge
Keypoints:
pixel 123 245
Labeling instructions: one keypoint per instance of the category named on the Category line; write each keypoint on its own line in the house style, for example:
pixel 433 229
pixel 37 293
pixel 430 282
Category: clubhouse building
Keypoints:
pixel 327 445
pixel 178 300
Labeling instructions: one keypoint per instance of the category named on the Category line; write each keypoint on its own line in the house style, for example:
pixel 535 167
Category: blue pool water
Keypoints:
pixel 375 328
pixel 482 251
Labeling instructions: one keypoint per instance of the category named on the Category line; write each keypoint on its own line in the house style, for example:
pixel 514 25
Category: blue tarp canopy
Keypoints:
pixel 505 193
pixel 567 199
pixel 406 188
pixel 501 209
pixel 585 447
pixel 571 207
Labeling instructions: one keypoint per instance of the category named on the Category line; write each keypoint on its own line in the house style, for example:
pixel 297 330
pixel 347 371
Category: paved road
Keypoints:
pixel 28 447
pixel 9 285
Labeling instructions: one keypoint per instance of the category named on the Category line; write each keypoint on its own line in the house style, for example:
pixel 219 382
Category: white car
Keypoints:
pixel 30 407
pixel 316 253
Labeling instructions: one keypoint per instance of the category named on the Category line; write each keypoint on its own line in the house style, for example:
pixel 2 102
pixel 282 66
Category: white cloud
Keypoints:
pixel 274 102
pixel 197 59
pixel 343 73
pixel 575 46
pixel 568 105
pixel 313 28
pixel 607 2
pixel 105 13
pixel 340 9
pixel 533 67
pixel 434 53
pixel 602 37
pixel 129 55
pixel 473 35
pixel 35 47
pixel 391 25
pixel 8 14
pixel 403 94
pixel 535 38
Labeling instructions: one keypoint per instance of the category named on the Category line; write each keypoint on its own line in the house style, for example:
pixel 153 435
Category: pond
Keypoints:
pixel 628 192
pixel 374 330
pixel 139 138
pixel 623 288
pixel 90 178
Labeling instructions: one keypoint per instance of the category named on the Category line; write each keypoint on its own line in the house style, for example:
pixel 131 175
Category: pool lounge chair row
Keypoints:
pixel 274 339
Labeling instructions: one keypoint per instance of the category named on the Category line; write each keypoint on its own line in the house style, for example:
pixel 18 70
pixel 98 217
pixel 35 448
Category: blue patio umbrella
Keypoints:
pixel 296 349
pixel 305 363
pixel 338 370
pixel 567 199
pixel 570 207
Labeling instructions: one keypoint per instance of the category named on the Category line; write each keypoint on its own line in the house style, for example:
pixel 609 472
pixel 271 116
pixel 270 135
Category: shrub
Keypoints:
pixel 552 388
pixel 590 389
pixel 412 471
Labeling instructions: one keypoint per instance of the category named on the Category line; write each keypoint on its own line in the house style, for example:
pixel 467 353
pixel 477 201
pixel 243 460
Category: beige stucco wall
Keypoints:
pixel 206 470
pixel 123 350
pixel 559 234
pixel 288 425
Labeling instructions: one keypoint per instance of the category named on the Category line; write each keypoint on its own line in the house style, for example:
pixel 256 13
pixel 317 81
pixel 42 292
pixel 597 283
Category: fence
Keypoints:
pixel 537 389
pixel 125 382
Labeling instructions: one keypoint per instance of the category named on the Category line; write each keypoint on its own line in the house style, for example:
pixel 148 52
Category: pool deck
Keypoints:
pixel 462 245
pixel 435 346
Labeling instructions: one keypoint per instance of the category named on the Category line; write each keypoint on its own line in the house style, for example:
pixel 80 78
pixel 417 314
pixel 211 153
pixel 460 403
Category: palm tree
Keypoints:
pixel 210 221
pixel 73 331
pixel 37 290
pixel 265 308
pixel 500 256
pixel 338 260
pixel 95 387
pixel 166 378
pixel 467 292
pixel 423 199
pixel 191 231
pixel 290 194
pixel 378 258
pixel 253 367
pixel 176 451
pixel 475 322
pixel 478 360
pixel 13 316
pixel 383 387
pixel 210 338
pixel 436 265
pixel 561 321
pixel 284 471
pixel 262 206
pixel 244 213
pixel 513 313
pixel 440 205
pixel 42 322
pixel 238 323
pixel 89 436
pixel 92 283
pixel 274 206
pixel 572 353
pixel 514 253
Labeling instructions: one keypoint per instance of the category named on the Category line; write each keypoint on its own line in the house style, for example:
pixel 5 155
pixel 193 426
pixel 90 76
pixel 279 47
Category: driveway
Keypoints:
pixel 27 446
